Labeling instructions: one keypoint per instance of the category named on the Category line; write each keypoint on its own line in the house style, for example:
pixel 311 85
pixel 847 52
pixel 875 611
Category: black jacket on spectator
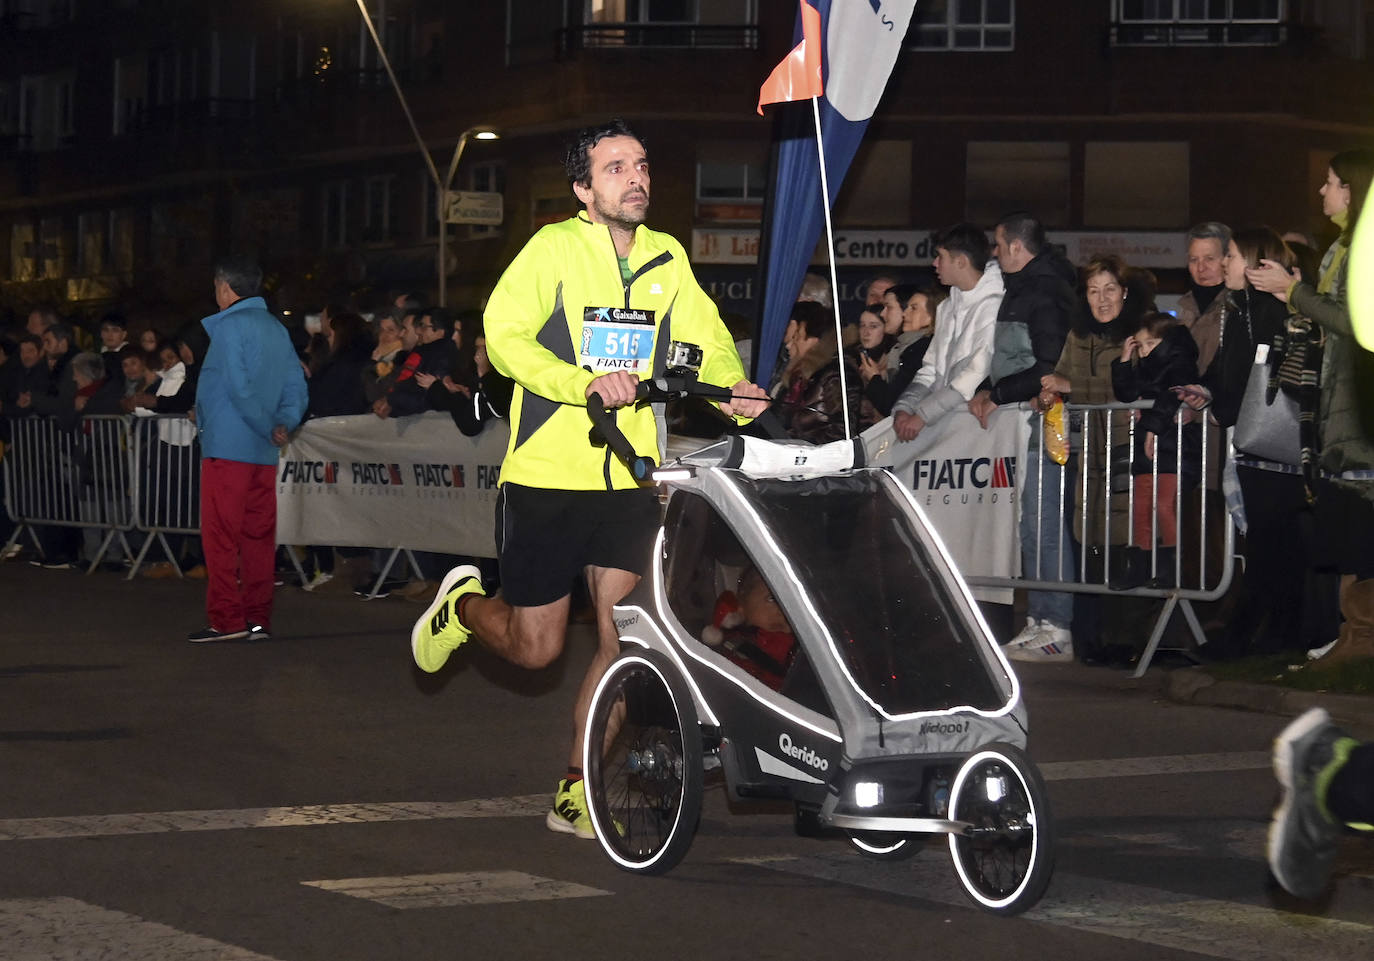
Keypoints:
pixel 489 398
pixel 883 393
pixel 1040 299
pixel 1173 362
pixel 336 389
pixel 406 396
pixel 1249 318
pixel 59 387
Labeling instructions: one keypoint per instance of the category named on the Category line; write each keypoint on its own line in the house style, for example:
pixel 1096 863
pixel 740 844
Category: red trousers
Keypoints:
pixel 1145 508
pixel 238 529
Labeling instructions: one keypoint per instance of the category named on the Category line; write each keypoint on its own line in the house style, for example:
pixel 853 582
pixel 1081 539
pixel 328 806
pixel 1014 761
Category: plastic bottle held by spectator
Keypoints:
pixel 1057 433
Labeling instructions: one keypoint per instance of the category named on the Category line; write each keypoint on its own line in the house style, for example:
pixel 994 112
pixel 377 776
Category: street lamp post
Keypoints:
pixel 445 188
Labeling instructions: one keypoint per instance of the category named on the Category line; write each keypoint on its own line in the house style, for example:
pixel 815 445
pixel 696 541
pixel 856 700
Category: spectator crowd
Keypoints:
pixel 1261 342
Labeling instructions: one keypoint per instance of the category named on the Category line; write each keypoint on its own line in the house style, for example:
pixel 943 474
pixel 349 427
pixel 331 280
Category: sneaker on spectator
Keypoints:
pixel 438 632
pixel 364 588
pixel 55 564
pixel 256 632
pixel 319 580
pixel 569 814
pixel 1028 633
pixel 160 571
pixel 209 634
pixel 1051 645
pixel 12 552
pixel 197 572
pixel 1303 835
pixel 1317 653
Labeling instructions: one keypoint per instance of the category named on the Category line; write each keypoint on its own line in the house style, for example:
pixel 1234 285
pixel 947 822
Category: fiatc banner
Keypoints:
pixel 413 482
pixel 967 481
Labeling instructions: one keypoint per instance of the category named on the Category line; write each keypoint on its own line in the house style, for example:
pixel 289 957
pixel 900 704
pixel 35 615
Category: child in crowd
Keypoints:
pixel 1159 356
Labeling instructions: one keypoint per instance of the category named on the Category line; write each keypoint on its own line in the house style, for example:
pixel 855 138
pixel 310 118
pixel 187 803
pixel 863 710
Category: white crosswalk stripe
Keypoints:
pixel 1169 919
pixel 458 888
pixel 65 929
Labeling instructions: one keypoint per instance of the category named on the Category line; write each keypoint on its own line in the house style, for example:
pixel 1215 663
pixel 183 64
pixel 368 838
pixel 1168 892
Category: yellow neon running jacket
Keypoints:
pixel 533 327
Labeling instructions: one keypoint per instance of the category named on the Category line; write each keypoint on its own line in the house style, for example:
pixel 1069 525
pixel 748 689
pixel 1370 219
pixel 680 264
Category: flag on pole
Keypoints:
pixel 798 77
pixel 857 43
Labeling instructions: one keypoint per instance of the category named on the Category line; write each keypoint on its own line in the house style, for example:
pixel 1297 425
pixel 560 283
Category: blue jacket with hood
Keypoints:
pixel 249 383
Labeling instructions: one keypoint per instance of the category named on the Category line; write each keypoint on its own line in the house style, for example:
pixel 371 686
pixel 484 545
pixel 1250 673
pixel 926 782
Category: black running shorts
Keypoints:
pixel 546 537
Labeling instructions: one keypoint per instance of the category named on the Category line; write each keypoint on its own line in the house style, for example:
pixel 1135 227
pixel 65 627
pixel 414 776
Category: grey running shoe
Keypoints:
pixel 1302 838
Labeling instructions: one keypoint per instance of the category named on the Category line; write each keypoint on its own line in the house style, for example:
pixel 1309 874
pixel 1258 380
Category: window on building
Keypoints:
pixel 46 110
pixel 92 243
pixel 963 25
pixel 52 252
pixel 130 93
pixel 379 200
pixel 728 190
pixel 1136 184
pixel 23 256
pixel 233 73
pixel 9 111
pixel 1179 23
pixel 1002 176
pixel 670 23
pixel 334 214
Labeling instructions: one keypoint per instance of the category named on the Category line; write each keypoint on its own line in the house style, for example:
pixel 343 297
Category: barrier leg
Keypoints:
pixel 414 565
pixel 100 551
pixel 1161 623
pixel 138 561
pixel 386 569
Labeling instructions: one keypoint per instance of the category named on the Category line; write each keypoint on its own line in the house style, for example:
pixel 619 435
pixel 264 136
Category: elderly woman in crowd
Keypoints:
pixel 1345 490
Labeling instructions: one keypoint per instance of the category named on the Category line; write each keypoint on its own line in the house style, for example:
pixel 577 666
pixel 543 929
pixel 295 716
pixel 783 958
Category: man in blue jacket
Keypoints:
pixel 251 393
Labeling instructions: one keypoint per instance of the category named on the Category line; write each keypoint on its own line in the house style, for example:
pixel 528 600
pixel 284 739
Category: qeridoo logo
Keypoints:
pixel 803 754
pixel 944 727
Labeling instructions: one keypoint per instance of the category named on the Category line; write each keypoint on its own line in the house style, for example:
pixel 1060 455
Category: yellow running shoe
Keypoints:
pixel 569 814
pixel 438 633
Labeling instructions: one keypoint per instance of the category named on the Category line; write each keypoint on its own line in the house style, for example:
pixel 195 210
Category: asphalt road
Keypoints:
pixel 315 797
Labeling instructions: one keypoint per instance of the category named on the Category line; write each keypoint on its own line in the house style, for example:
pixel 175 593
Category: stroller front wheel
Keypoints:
pixel 1005 858
pixel 642 759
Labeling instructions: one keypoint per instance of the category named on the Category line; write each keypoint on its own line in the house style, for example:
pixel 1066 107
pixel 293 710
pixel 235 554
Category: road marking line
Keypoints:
pixel 528 805
pixel 170 822
pixel 65 929
pixel 1155 766
pixel 1170 919
pixel 458 888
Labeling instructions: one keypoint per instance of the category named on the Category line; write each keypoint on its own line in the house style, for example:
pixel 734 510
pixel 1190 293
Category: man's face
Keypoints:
pixel 52 346
pixel 29 353
pixel 945 264
pixel 878 289
pixel 1010 254
pixel 410 333
pixel 1205 261
pixel 428 332
pixel 37 323
pixel 111 336
pixel 618 194
pixel 387 329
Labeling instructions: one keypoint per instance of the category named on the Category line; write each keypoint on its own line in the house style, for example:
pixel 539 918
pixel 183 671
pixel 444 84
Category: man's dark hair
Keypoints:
pixel 577 162
pixel 114 319
pixel 969 240
pixel 1020 225
pixel 440 319
pixel 242 274
pixel 29 339
pixel 813 318
pixel 61 331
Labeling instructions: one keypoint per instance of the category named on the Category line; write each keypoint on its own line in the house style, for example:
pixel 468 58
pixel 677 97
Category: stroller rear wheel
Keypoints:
pixel 1005 858
pixel 643 763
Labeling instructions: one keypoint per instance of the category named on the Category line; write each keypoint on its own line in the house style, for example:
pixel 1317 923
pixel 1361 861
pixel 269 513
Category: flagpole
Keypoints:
pixel 830 256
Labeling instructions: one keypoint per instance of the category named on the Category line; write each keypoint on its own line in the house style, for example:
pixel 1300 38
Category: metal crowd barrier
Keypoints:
pixel 166 482
pixel 57 477
pixel 1098 478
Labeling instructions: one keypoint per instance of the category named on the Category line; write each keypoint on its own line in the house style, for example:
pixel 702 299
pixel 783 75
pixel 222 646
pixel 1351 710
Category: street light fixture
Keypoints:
pixel 445 188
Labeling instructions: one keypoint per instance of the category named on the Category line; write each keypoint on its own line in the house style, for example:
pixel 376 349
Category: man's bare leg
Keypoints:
pixel 608 587
pixel 530 637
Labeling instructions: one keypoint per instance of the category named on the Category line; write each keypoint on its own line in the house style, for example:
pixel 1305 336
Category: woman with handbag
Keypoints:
pixel 1344 488
pixel 1278 536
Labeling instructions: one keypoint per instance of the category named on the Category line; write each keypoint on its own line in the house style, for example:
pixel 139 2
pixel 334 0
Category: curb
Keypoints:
pixel 1202 689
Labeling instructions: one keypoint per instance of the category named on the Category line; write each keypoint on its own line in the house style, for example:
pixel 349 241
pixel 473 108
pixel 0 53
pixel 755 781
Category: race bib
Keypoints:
pixel 614 338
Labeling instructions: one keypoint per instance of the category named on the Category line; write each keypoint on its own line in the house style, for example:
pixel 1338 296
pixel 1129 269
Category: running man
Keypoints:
pixel 588 306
